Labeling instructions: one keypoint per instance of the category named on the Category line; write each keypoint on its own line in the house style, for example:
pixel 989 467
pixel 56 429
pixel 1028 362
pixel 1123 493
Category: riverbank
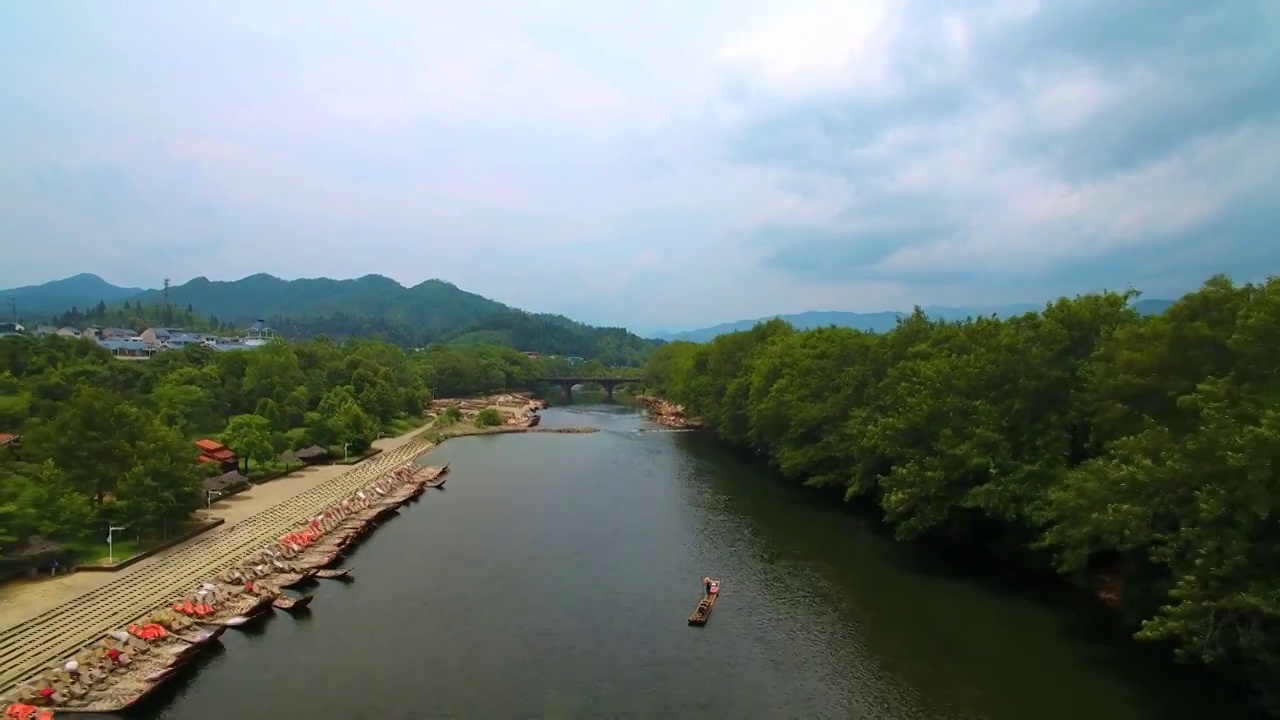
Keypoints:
pixel 45 619
pixel 440 434
pixel 516 410
pixel 823 615
pixel 63 616
pixel 23 600
pixel 668 414
pixel 132 661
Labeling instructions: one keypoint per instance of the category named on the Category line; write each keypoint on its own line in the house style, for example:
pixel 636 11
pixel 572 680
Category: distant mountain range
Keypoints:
pixel 878 321
pixel 373 305
pixel 433 311
pixel 82 291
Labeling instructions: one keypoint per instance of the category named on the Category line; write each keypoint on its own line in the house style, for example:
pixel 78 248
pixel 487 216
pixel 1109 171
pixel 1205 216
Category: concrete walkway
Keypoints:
pixel 43 621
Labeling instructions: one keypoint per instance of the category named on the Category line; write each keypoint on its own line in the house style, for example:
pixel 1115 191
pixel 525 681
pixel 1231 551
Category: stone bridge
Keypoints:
pixel 608 383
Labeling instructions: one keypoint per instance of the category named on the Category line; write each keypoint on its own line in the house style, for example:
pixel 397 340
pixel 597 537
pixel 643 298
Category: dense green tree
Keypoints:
pixel 250 437
pixel 94 440
pixel 1143 449
pixel 109 441
pixel 184 407
pixel 159 490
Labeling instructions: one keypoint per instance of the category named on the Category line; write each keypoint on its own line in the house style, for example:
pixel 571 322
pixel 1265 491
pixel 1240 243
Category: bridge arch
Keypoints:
pixel 608 383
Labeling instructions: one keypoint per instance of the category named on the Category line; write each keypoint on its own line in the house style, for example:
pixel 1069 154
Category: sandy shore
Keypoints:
pixel 23 601
pixel 668 414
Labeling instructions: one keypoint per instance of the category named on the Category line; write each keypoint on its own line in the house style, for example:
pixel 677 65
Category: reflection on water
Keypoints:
pixel 554 576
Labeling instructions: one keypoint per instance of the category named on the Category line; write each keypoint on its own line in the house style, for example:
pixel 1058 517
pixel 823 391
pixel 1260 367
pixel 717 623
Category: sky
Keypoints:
pixel 657 164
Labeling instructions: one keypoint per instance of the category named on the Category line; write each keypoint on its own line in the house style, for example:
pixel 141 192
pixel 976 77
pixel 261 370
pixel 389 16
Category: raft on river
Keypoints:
pixel 703 612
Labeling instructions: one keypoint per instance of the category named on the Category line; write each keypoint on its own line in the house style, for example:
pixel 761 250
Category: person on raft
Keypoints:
pixel 706 585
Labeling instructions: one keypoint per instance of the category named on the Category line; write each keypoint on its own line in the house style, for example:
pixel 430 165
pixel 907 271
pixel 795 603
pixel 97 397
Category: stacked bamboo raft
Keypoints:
pixel 118 670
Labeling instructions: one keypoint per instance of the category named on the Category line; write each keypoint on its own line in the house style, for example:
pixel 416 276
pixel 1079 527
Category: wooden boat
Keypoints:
pixel 240 612
pixel 342 573
pixel 288 602
pixel 202 636
pixel 184 628
pixel 438 482
pixel 703 612
pixel 289 579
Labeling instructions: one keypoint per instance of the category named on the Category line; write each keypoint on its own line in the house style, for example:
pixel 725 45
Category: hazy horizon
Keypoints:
pixel 647 331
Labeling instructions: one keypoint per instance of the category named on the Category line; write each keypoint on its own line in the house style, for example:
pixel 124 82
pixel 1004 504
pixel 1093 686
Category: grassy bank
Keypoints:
pixel 124 547
pixel 400 426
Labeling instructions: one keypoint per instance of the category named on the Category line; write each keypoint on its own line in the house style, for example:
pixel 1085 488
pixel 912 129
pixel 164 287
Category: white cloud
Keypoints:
pixel 660 151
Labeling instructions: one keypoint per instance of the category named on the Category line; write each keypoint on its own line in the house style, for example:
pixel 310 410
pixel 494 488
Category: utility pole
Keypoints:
pixel 166 292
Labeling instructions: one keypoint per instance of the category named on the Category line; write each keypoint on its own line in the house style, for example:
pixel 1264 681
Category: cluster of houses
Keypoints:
pixel 129 345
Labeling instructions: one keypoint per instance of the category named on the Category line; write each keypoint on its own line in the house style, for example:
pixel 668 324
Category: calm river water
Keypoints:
pixel 553 576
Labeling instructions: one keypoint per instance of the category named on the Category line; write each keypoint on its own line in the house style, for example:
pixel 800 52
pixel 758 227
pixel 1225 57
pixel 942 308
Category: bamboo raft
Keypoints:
pixel 241 612
pixel 290 603
pixel 702 613
pixel 114 673
pixel 127 665
pixel 435 477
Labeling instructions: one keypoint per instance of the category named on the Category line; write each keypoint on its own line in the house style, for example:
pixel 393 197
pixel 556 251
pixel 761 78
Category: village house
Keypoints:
pixel 157 336
pixel 116 333
pixel 128 348
pixel 11 328
pixel 68 332
pixel 45 330
pixel 224 345
pixel 258 334
pixel 177 341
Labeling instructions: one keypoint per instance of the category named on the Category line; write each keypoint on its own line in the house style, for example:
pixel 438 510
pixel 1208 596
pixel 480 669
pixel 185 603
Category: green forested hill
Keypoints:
pixel 557 335
pixel 373 306
pixel 81 291
pixel 433 306
pixel 1137 454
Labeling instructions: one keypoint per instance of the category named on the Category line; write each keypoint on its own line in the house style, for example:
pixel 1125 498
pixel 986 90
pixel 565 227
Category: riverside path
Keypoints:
pixel 31 644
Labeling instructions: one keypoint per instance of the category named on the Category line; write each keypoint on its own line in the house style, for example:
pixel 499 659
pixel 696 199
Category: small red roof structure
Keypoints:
pixel 207 445
pixel 212 451
pixel 6 438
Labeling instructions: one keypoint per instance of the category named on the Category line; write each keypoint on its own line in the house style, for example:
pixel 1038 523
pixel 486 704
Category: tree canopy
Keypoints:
pixel 1085 435
pixel 105 441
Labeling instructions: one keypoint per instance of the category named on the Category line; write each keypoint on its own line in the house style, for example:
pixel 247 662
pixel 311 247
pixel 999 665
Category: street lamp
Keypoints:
pixel 111 555
pixel 209 495
pixel 345 454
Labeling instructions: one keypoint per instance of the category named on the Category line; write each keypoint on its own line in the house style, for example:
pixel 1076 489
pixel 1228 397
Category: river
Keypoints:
pixel 553 575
